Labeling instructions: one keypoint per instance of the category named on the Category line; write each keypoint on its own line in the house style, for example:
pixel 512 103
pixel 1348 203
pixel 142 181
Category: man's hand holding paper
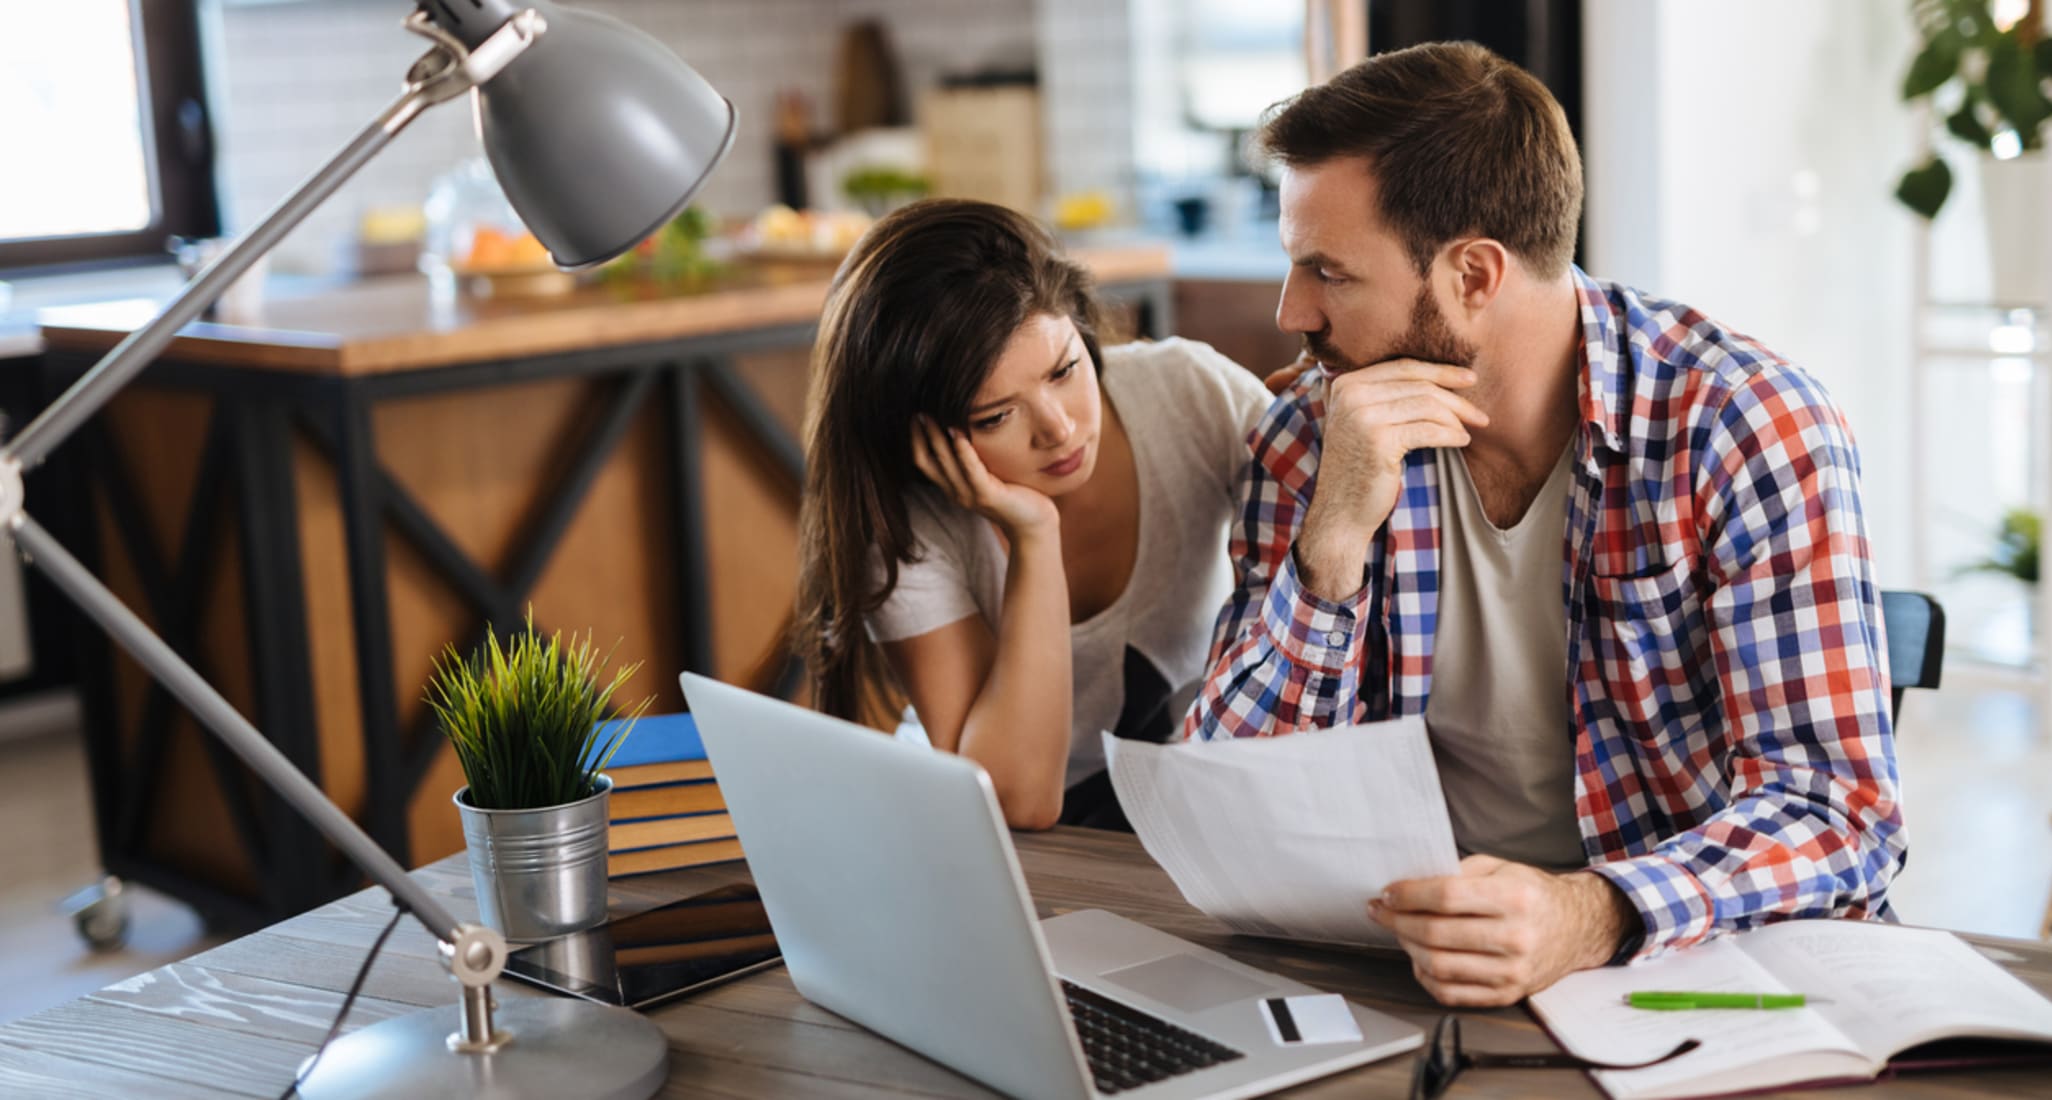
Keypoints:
pixel 1498 931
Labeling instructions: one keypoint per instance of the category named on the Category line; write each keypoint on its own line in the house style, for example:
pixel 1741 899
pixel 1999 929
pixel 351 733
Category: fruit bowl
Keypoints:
pixel 475 242
pixel 500 264
pixel 781 234
pixel 509 283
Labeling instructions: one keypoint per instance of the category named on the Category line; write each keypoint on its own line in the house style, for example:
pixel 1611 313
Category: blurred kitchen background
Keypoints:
pixel 1743 156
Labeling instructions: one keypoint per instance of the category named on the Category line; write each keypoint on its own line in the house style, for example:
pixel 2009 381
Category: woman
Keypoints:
pixel 1023 531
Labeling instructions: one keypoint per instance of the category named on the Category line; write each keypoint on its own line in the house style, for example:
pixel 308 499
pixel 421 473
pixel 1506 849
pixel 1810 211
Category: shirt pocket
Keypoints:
pixel 1652 648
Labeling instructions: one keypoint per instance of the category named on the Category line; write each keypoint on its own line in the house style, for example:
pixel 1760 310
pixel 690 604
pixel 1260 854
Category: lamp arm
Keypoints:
pixel 474 954
pixel 444 72
pixel 103 607
pixel 92 391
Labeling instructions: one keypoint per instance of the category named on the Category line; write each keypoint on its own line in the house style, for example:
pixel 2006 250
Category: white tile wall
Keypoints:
pixel 1086 83
pixel 300 79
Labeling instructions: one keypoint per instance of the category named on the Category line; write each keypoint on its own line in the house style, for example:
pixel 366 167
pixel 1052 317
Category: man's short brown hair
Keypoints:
pixel 1461 142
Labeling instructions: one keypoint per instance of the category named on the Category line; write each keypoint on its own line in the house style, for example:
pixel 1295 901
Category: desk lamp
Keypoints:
pixel 599 136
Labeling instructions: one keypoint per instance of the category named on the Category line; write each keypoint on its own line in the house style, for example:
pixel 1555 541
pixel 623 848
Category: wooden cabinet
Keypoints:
pixel 1236 316
pixel 312 509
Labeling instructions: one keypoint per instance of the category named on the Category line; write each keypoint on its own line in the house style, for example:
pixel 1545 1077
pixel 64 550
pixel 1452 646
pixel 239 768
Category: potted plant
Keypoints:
pixel 2017 542
pixel 1983 66
pixel 882 188
pixel 525 720
pixel 675 256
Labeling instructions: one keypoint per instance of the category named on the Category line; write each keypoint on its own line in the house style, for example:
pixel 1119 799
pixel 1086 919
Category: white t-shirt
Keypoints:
pixel 1498 714
pixel 1187 410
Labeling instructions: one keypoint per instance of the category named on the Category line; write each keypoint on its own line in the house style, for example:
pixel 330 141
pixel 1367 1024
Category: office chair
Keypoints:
pixel 1916 643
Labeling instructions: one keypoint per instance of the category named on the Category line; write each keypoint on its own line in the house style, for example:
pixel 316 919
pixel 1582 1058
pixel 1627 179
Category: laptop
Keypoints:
pixel 891 883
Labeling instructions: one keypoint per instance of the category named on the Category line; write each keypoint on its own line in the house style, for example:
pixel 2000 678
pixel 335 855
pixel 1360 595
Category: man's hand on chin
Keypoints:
pixel 1499 931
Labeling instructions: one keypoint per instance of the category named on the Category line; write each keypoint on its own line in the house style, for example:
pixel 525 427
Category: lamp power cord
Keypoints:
pixel 342 1013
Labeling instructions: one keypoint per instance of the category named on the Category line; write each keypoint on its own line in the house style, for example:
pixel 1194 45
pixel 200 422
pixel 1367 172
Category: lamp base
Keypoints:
pixel 557 1048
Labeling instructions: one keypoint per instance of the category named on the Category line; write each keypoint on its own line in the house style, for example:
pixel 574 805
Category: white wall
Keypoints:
pixel 1087 96
pixel 298 80
pixel 1742 157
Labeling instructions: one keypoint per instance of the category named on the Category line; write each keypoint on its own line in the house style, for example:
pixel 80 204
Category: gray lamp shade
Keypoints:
pixel 599 134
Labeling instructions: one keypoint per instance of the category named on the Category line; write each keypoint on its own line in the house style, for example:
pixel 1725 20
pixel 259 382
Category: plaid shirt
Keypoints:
pixel 1726 676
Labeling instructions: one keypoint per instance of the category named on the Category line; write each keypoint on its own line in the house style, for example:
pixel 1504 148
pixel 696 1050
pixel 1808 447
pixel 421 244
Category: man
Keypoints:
pixel 1612 551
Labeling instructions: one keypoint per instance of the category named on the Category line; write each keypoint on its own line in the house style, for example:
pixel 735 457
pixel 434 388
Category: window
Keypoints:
pixel 103 143
pixel 1239 58
pixel 1203 72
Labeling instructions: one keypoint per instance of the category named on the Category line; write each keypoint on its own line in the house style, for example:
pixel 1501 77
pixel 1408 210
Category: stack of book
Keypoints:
pixel 666 809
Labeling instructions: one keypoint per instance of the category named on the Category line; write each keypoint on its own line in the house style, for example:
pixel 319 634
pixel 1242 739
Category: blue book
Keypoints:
pixel 655 739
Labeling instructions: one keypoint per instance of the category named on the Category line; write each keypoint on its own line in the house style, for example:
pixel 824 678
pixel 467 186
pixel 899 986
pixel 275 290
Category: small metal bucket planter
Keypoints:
pixel 539 873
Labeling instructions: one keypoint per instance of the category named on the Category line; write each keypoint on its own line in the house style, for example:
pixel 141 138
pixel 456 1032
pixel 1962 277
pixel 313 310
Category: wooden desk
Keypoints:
pixel 237 1020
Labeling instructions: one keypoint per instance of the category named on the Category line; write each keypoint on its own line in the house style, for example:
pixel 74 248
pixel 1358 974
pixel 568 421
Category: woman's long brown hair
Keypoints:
pixel 916 319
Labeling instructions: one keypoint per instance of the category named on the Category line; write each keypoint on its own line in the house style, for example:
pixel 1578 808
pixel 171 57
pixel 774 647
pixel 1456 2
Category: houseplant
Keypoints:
pixel 1985 77
pixel 2017 543
pixel 674 257
pixel 524 718
pixel 881 188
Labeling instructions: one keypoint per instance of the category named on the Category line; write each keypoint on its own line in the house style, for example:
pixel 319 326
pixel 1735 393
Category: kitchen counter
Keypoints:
pixel 396 324
pixel 19 341
pixel 22 295
pixel 313 505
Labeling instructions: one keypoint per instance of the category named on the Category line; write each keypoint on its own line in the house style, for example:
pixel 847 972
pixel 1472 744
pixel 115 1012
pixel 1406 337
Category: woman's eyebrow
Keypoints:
pixel 1005 400
pixel 1062 360
pixel 1068 353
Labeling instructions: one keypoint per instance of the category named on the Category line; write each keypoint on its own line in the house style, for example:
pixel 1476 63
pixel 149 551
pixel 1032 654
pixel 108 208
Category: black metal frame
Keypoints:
pixel 255 416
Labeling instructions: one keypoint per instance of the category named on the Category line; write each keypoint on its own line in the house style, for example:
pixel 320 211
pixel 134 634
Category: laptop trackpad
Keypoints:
pixel 1186 982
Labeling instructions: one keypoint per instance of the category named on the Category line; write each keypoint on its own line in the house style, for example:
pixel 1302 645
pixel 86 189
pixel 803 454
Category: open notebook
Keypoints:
pixel 1889 989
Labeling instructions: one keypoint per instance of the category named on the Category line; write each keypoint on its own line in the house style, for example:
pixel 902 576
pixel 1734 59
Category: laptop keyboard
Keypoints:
pixel 1128 1048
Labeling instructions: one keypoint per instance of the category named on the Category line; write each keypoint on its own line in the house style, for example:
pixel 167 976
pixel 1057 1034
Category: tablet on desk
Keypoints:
pixel 650 957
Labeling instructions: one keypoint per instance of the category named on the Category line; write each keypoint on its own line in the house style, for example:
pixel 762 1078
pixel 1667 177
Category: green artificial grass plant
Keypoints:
pixel 525 718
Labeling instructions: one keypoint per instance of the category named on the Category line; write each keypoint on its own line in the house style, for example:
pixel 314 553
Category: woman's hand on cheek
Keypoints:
pixel 947 459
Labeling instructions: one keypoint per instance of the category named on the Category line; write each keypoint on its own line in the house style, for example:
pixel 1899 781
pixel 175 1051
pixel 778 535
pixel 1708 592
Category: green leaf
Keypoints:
pixel 2017 542
pixel 1923 188
pixel 2012 83
pixel 1935 64
pixel 1975 21
pixel 1965 124
pixel 2042 52
pixel 523 716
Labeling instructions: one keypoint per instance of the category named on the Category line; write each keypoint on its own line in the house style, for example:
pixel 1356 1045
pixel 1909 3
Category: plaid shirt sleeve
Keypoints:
pixel 1813 827
pixel 1282 659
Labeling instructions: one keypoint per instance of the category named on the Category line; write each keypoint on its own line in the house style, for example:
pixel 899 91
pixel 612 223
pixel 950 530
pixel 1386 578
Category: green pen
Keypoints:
pixel 1671 1001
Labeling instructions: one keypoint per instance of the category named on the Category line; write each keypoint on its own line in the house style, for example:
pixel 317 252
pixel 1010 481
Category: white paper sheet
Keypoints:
pixel 1290 836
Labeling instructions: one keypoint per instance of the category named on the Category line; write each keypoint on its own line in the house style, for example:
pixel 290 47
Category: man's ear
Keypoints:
pixel 1478 267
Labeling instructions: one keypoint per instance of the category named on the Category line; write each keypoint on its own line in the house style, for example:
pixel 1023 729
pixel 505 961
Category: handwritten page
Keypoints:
pixel 1290 836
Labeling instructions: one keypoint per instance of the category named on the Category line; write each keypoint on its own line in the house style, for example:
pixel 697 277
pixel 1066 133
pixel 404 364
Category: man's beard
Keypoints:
pixel 1429 340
